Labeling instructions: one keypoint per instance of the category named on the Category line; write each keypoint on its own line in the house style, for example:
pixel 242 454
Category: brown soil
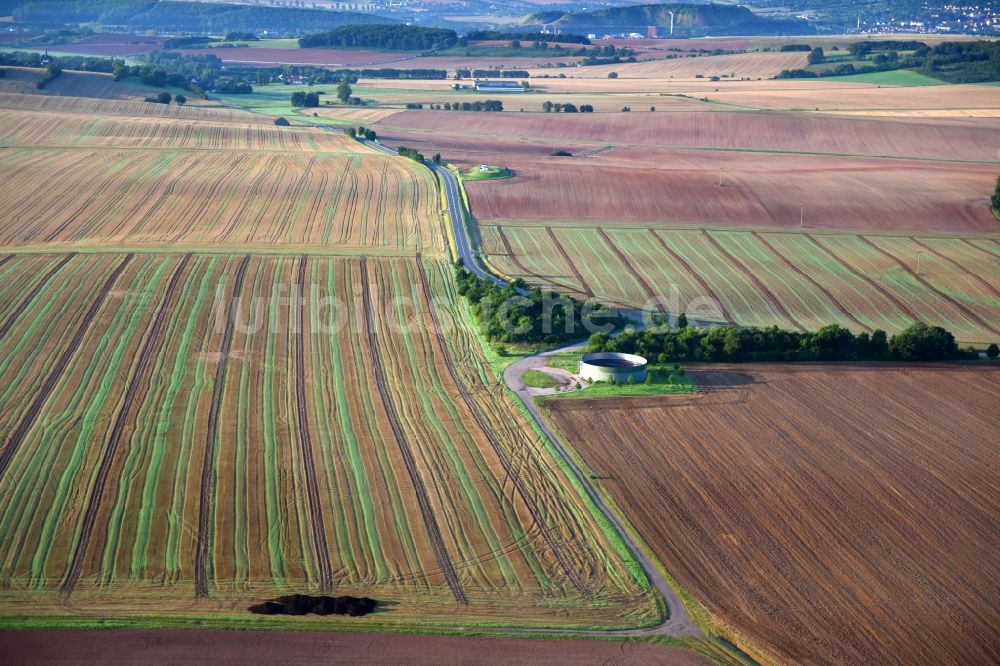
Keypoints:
pixel 839 514
pixel 128 646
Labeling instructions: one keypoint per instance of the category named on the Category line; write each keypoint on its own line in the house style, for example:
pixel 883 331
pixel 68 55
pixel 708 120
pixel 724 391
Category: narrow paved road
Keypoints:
pixel 679 625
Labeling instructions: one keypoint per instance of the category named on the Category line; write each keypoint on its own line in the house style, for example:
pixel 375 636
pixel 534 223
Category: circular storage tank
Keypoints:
pixel 608 366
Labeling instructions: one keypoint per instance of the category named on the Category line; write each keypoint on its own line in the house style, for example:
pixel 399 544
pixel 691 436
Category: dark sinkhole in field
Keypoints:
pixel 303 604
pixel 612 363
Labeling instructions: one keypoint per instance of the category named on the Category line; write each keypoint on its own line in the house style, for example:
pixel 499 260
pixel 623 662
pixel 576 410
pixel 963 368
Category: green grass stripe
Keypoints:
pixel 379 445
pixel 272 472
pixel 365 530
pixel 109 353
pixel 473 500
pixel 809 300
pixel 463 332
pixel 161 416
pixel 28 484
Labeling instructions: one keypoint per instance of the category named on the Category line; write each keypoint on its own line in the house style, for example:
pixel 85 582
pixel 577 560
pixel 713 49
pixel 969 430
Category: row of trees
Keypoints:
pixel 361 133
pixel 51 73
pixel 411 153
pixel 995 200
pixel 384 37
pixel 494 35
pixel 505 316
pixel 550 107
pixel 919 342
pixel 955 62
pixel 462 73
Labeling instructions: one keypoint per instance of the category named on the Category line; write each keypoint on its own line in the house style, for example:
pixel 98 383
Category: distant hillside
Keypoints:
pixel 181 17
pixel 689 20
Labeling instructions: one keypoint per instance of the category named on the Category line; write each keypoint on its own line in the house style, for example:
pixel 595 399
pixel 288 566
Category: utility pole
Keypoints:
pixel 802 218
pixel 919 252
pixel 720 177
pixel 672 22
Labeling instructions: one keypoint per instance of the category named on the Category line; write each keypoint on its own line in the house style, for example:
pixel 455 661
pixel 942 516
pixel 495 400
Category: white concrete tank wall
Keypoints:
pixel 608 366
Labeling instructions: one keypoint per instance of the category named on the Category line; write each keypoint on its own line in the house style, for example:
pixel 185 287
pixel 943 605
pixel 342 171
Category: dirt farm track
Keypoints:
pixel 827 514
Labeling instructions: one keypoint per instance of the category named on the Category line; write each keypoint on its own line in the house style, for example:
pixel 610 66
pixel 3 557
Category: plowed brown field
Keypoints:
pixel 774 190
pixel 152 648
pixel 826 514
pixel 770 131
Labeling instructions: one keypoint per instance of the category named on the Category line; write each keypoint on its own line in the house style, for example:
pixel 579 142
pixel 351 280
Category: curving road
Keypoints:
pixel 679 624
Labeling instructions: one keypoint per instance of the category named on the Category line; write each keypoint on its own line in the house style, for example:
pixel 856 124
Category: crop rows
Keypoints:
pixel 56 129
pixel 108 107
pixel 209 198
pixel 789 279
pixel 202 435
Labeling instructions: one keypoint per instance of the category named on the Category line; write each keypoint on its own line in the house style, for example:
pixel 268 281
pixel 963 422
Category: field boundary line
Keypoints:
pixel 768 294
pixel 419 488
pixel 826 292
pixel 148 352
pixel 29 416
pixel 208 464
pixel 305 439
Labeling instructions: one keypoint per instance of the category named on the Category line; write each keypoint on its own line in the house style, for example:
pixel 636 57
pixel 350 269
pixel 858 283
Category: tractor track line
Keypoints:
pixel 149 351
pixel 378 370
pixel 631 269
pixel 305 439
pixel 826 292
pixel 19 310
pixel 958 305
pixel 6 259
pixel 981 249
pixel 693 273
pixel 208 465
pixel 501 454
pixel 768 294
pixel 29 416
pixel 874 285
pixel 569 262
pixel 509 249
pixel 983 283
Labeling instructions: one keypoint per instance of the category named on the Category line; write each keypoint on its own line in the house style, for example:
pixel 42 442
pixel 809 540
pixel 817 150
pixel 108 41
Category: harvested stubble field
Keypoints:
pixel 740 65
pixel 200 439
pixel 791 279
pixel 316 57
pixel 669 187
pixel 177 181
pixel 824 514
pixel 127 108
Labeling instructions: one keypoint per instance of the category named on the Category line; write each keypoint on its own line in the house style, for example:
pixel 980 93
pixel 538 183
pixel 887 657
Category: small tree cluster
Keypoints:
pixel 305 99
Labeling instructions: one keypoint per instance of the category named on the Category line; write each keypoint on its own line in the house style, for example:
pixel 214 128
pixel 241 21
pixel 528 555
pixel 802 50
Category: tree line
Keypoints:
pixel 954 62
pixel 384 37
pixel 919 342
pixel 462 73
pixel 550 107
pixel 496 35
pixel 504 316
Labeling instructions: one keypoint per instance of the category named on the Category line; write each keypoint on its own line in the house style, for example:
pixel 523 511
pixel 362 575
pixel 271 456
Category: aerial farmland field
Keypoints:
pixel 263 383
pixel 790 279
pixel 827 514
pixel 273 454
pixel 152 181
